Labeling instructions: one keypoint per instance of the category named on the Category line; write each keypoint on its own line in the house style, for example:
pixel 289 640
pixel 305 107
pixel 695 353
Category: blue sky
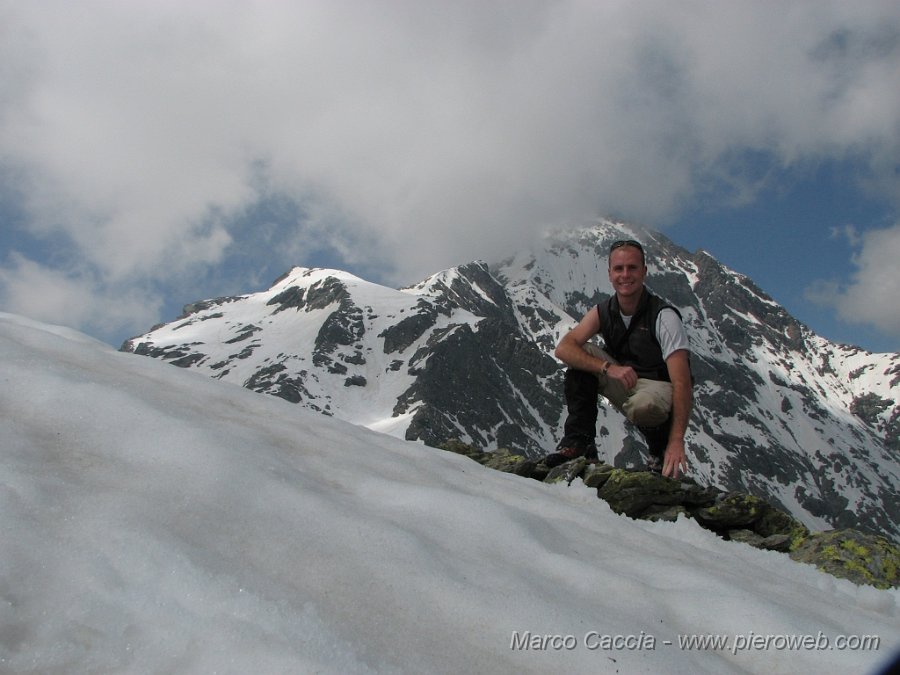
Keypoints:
pixel 153 153
pixel 793 237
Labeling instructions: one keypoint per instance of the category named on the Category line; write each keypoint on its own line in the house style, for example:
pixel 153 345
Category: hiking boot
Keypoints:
pixel 570 451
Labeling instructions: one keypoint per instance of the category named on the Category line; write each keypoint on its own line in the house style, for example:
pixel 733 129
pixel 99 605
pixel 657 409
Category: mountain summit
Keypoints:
pixel 467 353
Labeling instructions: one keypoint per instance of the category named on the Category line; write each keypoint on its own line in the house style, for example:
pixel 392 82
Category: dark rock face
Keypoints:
pixel 475 290
pixel 882 414
pixel 472 380
pixel 292 298
pixel 406 331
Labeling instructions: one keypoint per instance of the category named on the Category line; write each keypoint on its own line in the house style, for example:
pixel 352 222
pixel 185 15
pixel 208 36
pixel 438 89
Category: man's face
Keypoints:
pixel 627 271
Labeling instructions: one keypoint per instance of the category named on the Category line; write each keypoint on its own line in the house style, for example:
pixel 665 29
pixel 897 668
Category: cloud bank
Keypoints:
pixel 870 295
pixel 146 145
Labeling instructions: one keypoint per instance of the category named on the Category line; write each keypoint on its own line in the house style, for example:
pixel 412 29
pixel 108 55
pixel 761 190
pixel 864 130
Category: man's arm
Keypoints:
pixel 570 351
pixel 675 459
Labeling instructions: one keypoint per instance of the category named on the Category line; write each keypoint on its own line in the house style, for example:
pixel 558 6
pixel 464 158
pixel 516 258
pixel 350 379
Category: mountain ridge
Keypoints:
pixel 466 353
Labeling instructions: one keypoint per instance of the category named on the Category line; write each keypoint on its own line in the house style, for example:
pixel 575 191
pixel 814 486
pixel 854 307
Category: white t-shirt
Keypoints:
pixel 669 331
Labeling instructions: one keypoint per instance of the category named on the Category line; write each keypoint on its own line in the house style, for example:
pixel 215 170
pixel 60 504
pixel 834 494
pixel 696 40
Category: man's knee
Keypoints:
pixel 650 404
pixel 646 413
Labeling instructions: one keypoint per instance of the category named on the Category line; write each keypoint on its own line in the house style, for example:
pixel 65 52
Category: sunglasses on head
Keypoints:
pixel 626 242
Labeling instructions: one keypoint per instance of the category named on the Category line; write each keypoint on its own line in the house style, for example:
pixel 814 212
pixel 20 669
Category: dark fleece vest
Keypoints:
pixel 637 345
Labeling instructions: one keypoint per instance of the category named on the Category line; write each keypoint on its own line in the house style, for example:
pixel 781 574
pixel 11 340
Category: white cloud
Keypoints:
pixel 870 296
pixel 32 289
pixel 439 132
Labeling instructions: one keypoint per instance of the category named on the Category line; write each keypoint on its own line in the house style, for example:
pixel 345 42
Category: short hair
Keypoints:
pixel 629 242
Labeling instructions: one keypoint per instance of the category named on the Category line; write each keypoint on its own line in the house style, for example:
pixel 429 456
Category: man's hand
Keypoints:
pixel 675 459
pixel 625 375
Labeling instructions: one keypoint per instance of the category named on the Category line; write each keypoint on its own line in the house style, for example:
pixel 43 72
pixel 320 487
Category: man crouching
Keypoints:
pixel 644 371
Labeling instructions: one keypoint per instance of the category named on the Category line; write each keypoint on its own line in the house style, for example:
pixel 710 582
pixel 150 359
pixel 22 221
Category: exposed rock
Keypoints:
pixel 775 542
pixel 595 475
pixel 244 333
pixel 289 298
pixel 736 512
pixel 466 377
pixel 406 331
pixel 854 555
pixel 566 472
pixel 667 514
pixel 507 461
pixel 849 554
pixel 631 492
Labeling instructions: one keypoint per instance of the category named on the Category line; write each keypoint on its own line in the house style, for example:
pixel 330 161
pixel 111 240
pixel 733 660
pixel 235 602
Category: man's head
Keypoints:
pixel 627 269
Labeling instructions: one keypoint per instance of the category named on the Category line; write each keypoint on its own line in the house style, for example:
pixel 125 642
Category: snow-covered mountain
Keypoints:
pixel 467 353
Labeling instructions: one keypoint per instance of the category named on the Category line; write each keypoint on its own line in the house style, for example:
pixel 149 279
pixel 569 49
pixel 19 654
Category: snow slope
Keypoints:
pixel 156 520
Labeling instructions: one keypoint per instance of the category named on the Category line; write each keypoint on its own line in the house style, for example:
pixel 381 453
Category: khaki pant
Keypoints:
pixel 647 405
